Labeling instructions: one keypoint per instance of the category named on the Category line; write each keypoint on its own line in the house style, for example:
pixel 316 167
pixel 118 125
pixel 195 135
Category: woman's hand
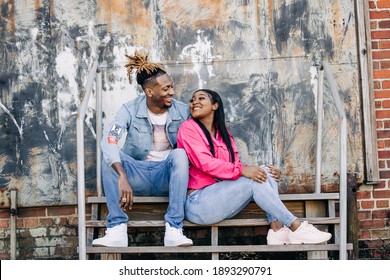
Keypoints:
pixel 275 172
pixel 255 173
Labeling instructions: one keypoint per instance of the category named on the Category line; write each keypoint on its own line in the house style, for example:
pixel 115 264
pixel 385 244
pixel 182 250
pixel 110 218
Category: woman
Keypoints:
pixel 220 186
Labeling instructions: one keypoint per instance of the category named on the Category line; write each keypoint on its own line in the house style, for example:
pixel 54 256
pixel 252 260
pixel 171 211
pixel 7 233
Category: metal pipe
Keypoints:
pixel 320 113
pixel 334 91
pixel 343 189
pixel 13 213
pixel 99 129
pixel 80 162
pixel 343 162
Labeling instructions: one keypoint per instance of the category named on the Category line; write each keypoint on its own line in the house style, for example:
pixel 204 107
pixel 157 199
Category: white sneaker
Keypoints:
pixel 308 234
pixel 115 237
pixel 174 237
pixel 279 237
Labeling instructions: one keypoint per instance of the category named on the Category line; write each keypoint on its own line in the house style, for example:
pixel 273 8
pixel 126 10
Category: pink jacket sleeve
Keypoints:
pixel 192 139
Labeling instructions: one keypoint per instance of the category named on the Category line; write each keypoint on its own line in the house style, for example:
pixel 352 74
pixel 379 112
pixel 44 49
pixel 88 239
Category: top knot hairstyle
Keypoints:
pixel 145 70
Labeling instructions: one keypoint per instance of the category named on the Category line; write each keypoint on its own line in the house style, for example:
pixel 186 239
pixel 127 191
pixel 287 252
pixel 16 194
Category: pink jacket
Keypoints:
pixel 204 168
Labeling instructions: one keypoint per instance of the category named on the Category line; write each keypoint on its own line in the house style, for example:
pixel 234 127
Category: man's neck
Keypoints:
pixel 156 110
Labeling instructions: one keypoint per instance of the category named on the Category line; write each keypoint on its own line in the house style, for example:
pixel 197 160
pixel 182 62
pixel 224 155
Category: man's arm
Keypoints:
pixel 125 190
pixel 111 155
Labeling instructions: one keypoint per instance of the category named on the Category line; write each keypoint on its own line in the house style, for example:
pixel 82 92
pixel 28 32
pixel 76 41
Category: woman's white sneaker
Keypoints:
pixel 279 237
pixel 308 234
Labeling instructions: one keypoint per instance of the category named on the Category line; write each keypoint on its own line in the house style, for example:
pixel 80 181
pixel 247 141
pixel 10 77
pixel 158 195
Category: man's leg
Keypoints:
pixel 116 233
pixel 172 179
pixel 116 215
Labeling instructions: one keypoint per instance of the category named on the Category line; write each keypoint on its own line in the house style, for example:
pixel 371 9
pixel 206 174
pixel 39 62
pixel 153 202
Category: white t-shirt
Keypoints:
pixel 161 146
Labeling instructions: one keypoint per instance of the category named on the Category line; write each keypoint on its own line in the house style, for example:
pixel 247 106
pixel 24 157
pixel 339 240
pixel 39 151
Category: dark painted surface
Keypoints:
pixel 259 55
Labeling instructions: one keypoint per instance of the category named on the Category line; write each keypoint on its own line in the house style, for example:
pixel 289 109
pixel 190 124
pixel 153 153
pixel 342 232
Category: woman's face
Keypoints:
pixel 201 107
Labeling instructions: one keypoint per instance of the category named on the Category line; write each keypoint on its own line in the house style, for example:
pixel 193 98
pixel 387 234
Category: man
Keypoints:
pixel 148 164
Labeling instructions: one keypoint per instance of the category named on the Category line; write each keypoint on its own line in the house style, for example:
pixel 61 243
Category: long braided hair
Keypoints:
pixel 145 70
pixel 218 122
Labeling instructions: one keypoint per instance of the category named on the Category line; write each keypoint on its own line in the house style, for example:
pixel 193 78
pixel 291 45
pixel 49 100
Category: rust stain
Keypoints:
pixel 197 14
pixel 130 13
pixel 37 6
pixel 341 23
pixel 10 16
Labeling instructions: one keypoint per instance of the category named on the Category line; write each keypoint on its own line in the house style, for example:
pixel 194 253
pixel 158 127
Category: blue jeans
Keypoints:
pixel 149 178
pixel 225 199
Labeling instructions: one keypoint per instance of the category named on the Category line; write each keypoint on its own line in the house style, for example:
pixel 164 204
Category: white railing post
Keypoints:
pixel 343 162
pixel 99 130
pixel 80 162
pixel 320 114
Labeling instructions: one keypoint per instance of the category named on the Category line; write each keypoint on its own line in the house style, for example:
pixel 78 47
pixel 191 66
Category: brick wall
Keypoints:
pixel 374 201
pixel 42 233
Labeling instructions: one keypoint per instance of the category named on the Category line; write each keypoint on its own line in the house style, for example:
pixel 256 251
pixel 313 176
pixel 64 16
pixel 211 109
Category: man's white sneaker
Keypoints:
pixel 174 237
pixel 308 234
pixel 115 237
pixel 279 237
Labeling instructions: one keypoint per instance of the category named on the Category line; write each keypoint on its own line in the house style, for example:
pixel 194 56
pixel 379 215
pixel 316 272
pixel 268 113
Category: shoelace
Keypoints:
pixel 309 228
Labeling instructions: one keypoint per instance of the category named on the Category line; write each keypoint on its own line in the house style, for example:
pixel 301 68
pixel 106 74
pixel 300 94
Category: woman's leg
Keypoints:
pixel 266 195
pixel 275 225
pixel 227 198
pixel 216 202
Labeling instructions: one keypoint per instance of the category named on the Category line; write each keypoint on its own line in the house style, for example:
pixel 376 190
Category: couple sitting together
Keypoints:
pixel 186 153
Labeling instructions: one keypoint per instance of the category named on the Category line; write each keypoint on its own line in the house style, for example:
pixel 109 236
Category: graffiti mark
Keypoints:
pixel 19 127
pixel 201 56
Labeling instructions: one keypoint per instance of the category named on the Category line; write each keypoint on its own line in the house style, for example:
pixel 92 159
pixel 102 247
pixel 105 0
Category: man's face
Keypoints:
pixel 160 94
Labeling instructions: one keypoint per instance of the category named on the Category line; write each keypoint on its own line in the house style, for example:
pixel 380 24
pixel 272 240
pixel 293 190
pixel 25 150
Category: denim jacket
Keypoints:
pixel 133 118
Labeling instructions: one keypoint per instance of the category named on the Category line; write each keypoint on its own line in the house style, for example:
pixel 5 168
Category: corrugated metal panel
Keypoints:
pixel 259 55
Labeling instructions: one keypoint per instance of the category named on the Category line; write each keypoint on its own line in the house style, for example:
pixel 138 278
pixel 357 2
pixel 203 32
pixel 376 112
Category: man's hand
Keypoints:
pixel 125 190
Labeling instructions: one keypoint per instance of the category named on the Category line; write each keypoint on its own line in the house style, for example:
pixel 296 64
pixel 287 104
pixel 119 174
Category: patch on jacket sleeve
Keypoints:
pixel 115 134
pixel 112 140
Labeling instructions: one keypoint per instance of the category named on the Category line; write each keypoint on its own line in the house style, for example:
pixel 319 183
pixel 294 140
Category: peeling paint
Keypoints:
pixel 260 55
pixel 201 56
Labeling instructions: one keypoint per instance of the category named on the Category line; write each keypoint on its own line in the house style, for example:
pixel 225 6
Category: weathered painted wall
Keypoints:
pixel 260 55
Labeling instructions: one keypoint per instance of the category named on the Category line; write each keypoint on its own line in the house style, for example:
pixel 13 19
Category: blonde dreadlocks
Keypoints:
pixel 144 68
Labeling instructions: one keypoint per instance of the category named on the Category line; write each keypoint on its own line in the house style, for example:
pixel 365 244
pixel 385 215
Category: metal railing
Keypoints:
pixel 93 73
pixel 324 69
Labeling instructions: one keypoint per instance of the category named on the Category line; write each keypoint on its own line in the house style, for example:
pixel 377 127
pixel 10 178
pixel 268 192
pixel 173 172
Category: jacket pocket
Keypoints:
pixel 141 128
